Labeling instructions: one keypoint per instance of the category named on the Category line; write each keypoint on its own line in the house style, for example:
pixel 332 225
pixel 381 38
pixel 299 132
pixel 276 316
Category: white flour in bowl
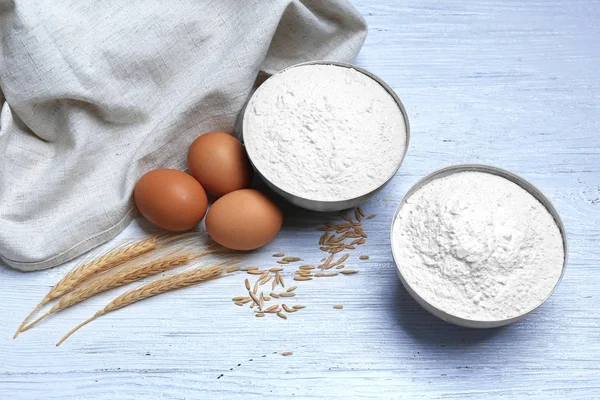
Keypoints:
pixel 324 132
pixel 478 246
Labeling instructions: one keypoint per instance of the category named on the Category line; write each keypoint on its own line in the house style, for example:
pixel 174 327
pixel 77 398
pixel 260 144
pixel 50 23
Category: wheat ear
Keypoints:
pixel 92 268
pixel 124 277
pixel 154 288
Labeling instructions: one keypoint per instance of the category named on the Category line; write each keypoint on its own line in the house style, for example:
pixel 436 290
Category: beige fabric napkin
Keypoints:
pixel 98 93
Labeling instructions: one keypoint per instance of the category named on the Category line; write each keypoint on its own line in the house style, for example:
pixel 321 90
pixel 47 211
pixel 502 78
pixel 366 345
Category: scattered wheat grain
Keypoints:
pixel 255 272
pixel 349 272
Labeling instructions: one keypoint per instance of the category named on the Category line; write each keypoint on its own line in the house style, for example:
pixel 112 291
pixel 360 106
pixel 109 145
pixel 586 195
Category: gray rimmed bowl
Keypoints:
pixel 530 188
pixel 324 206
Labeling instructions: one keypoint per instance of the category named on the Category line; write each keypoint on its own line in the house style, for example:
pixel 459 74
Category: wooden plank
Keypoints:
pixel 511 83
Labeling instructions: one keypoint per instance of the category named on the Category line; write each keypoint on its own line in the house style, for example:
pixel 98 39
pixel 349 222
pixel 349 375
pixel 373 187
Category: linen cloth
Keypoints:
pixel 93 94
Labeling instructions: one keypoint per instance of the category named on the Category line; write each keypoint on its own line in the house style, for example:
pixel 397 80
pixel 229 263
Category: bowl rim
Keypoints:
pixel 358 69
pixel 521 182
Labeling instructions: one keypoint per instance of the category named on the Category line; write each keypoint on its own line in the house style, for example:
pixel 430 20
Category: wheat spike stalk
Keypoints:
pixel 154 288
pixel 118 279
pixel 92 268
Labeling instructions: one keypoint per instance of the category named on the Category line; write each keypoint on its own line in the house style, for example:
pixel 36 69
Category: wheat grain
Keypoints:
pixel 276 269
pixel 327 262
pixel 357 216
pixel 155 288
pixel 255 272
pixel 340 266
pixel 261 303
pixel 346 217
pixel 267 298
pixel 273 309
pixel 265 280
pixel 364 257
pixel 253 297
pixel 307 267
pixel 239 303
pixel 232 269
pixel 292 259
pixel 349 272
pixel 247 283
pixel 323 238
pixel 371 216
pixel 288 309
pixel 278 255
pixel 349 247
pixel 238 298
pixel 283 262
pixel 246 300
pixel 274 295
pixel 303 278
pixel 292 288
pixel 87 270
pixel 286 353
pixel 281 281
pixel 324 229
pixel 299 307
pixel 287 294
pixel 260 314
pixel 360 211
pixel 338 239
pixel 249 268
pixel 341 260
pixel 281 315
pixel 338 306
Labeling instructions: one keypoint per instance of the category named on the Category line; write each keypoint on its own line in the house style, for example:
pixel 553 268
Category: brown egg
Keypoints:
pixel 170 199
pixel 220 163
pixel 243 220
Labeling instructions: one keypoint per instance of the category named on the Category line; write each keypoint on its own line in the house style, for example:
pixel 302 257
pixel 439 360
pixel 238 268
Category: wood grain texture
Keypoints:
pixel 510 83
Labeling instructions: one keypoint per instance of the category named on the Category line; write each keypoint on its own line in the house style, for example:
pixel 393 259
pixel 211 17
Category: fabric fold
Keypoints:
pixel 93 95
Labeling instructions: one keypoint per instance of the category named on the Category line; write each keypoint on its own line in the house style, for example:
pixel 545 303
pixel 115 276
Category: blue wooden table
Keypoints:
pixel 510 83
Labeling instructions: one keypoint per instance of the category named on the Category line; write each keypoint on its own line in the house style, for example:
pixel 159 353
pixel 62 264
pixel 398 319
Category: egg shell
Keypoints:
pixel 170 199
pixel 220 163
pixel 243 220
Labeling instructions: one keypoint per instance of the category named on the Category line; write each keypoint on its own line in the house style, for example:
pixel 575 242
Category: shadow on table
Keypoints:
pixel 428 329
